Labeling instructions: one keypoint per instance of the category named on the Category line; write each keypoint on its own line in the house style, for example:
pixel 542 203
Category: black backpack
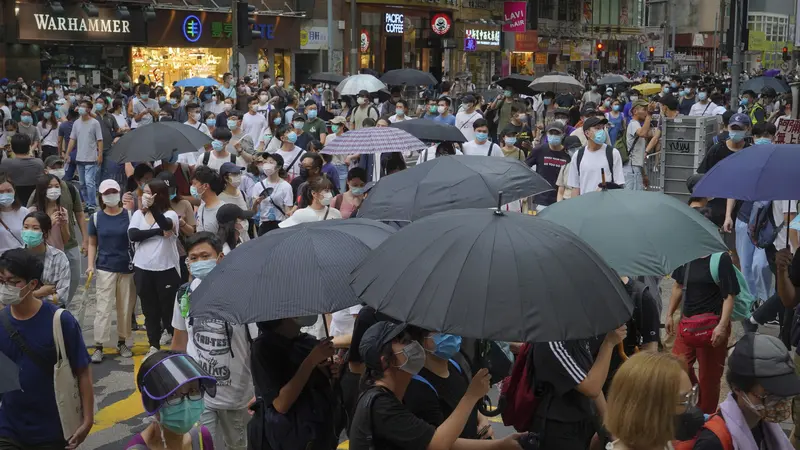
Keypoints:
pixel 207 156
pixel 609 158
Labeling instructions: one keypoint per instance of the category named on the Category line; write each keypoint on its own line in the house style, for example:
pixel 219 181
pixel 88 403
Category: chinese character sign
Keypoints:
pixel 484 37
pixel 788 132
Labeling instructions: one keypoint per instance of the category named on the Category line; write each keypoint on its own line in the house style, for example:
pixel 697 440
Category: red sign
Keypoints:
pixel 441 23
pixel 514 13
pixel 364 47
pixel 526 42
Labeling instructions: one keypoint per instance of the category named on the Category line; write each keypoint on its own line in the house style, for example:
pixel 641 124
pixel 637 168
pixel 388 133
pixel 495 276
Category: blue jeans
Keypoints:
pixel 87 173
pixel 633 177
pixel 342 169
pixel 753 261
pixel 71 168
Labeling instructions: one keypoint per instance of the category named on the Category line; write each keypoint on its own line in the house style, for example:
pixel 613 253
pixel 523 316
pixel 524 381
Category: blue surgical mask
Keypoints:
pixel 743 101
pixel 674 85
pixel 217 145
pixel 144 97
pixel 447 345
pixel 481 137
pixel 47 114
pixel 173 101
pixel 312 114
pixel 291 137
pixel 554 139
pixel 665 90
pixel 233 124
pixel 736 135
pixel 335 128
pixel 357 190
pixel 298 125
pixel 599 137
pixel 6 199
pixel 399 111
pixel 162 98
pixel 615 108
pixel 98 106
pixel 26 120
pixel 181 418
pixel 20 105
pixel 302 89
pixel 199 269
pixel 276 121
pixel 606 104
pixel 762 141
pixel 193 191
pixel 49 92
pixel 510 140
pixel 82 110
pixel 702 96
pixel 547 102
pixel 211 122
pixel 507 93
pixel 32 238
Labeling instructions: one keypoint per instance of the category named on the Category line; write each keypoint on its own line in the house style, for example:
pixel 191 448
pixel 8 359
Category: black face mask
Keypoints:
pixel 688 424
pixel 304 172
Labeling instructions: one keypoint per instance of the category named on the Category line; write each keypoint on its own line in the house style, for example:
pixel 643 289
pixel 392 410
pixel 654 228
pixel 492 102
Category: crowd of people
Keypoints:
pixel 152 231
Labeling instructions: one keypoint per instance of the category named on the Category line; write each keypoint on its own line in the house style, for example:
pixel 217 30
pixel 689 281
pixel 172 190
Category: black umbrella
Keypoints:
pixel 327 77
pixel 87 90
pixel 758 83
pixel 411 77
pixel 614 79
pixel 450 182
pixel 491 275
pixel 9 374
pixel 430 131
pixel 292 272
pixel 518 83
pixel 157 141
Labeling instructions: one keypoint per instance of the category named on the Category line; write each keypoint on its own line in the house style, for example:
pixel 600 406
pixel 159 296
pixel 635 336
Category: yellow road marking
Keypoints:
pixel 344 446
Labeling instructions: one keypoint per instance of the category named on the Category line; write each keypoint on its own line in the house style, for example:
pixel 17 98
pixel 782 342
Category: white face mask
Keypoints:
pixel 268 169
pixel 634 98
pixel 376 100
pixel 227 107
pixel 441 109
pixel 326 198
pixel 111 199
pixel 236 180
pixel 361 100
pixel 196 116
pixel 147 200
pixel 10 295
pixel 53 193
pixel 57 172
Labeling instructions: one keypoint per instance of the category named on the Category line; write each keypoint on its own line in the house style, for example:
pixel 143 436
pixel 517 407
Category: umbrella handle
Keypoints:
pixel 622 354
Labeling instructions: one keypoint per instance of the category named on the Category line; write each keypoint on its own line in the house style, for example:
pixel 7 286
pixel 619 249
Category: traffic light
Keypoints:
pixel 244 23
pixel 600 47
pixel 786 54
pixel 652 52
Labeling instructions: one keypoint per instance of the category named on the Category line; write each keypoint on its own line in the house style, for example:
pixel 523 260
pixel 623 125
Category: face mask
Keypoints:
pixel 326 198
pixel 702 96
pixel 195 193
pixel 665 90
pixel 481 137
pixel 227 107
pixel 415 358
pixel 262 98
pixel 162 99
pixel 298 125
pixel 236 180
pixel 6 199
pixel 736 135
pixel 599 137
pixel 376 100
pixel 57 172
pixel 522 117
pixel 98 106
pixel 433 109
pixel 303 172
pixel 312 114
pixel 233 124
pixel 9 295
pixel 441 109
pixel 213 98
pixel 743 102
pixel 82 110
pixel 211 122
pixel 186 98
pixel 217 145
pixel 181 417
pixel 58 114
pixel 335 128
pixel 554 139
pixel 447 345
pixel 111 199
pixel 615 108
pixel 634 98
pixel 357 191
pixel 49 92
pixel 606 104
pixel 689 423
pixel 199 269
pixel 268 169
pixel 777 413
pixel 32 238
pixel 20 105
pixel 53 193
pixel 762 141
pixel 276 121
pixel 399 111
pixel 674 85
pixel 291 137
pixel 57 82
pixel 71 98
pixel 361 100
pixel 302 89
pixel 305 321
pixel 507 93
pixel 47 115
pixel 26 120
pixel 510 140
pixel 547 102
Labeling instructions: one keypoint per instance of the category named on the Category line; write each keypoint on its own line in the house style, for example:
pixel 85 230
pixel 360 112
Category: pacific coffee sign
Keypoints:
pixel 38 23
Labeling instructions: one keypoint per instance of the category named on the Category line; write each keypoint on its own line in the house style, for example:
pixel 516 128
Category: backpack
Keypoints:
pixel 518 393
pixel 622 143
pixel 609 158
pixel 744 300
pixel 715 424
pixel 207 156
pixel 761 227
pixel 422 379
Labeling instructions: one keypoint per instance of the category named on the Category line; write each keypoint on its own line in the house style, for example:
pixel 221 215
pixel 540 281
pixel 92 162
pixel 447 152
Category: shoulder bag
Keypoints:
pixel 68 398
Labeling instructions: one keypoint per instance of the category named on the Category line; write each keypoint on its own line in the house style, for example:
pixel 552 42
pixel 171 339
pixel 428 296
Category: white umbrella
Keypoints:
pixel 355 83
pixel 557 83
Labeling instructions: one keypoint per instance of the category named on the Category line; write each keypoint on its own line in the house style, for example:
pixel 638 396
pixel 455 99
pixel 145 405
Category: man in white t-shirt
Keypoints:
pixel 400 111
pixel 704 106
pixel 253 122
pixel 219 154
pixel 221 348
pixel 465 119
pixel 585 171
pixel 480 145
pixel 193 111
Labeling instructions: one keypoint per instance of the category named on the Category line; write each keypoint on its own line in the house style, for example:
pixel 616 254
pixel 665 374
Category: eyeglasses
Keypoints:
pixel 690 398
pixel 177 398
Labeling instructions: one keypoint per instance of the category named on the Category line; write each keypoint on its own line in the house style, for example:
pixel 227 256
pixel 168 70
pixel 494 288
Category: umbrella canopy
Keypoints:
pixel 758 83
pixel 648 88
pixel 614 79
pixel 355 83
pixel 556 83
pixel 9 374
pixel 772 72
pixel 517 83
pixel 484 274
pixel 430 131
pixel 157 141
pixel 450 182
pixel 87 90
pixel 327 77
pixel 409 76
pixel 755 173
pixel 290 272
pixel 638 232
pixel 197 81
pixel 374 140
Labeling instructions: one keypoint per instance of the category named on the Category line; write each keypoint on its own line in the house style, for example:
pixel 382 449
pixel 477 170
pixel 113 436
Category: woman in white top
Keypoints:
pixel 233 194
pixel 271 196
pixel 269 142
pixel 11 216
pixel 320 207
pixel 48 130
pixel 153 229
pixel 288 151
pixel 670 411
pixel 118 113
pixel 214 104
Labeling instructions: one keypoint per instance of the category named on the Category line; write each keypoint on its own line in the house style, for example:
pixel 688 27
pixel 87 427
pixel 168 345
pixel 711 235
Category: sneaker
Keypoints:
pixel 124 351
pixel 166 338
pixel 150 352
pixel 774 321
pixel 97 356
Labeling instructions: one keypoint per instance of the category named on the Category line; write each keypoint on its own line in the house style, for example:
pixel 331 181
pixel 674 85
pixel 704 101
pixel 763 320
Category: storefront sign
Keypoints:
pixel 394 23
pixel 541 58
pixel 192 28
pixel 527 41
pixel 470 44
pixel 364 47
pixel 173 28
pixel 438 4
pixel 441 24
pixel 788 132
pixel 485 37
pixel 35 23
pixel 314 38
pixel 514 13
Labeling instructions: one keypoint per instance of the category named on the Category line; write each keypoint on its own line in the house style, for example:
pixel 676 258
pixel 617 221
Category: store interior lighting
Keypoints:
pixel 56 8
pixel 91 10
pixel 123 12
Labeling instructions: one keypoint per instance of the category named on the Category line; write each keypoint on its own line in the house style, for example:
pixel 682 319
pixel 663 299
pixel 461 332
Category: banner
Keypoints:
pixel 514 13
pixel 788 132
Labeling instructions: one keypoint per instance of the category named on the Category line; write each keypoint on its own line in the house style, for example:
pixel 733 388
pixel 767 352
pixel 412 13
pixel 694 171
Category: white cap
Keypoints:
pixel 108 184
pixel 302 215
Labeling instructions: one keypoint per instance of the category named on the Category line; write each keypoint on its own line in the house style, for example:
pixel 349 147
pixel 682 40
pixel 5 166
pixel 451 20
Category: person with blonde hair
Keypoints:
pixel 669 413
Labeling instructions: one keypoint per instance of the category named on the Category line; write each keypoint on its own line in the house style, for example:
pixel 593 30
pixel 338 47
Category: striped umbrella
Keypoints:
pixel 291 272
pixel 374 140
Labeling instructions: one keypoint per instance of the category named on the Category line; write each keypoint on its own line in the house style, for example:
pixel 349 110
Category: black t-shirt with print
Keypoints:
pixel 715 154
pixel 560 366
pixel 703 295
pixel 548 164
pixel 391 425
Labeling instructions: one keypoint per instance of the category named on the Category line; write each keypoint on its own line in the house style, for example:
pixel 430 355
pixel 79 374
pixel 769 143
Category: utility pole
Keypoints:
pixel 330 35
pixel 716 45
pixel 736 57
pixel 355 41
pixel 672 5
pixel 235 36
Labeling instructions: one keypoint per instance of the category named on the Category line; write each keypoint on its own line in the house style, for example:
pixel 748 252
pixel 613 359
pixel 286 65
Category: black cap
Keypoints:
pixel 571 142
pixel 374 339
pixel 669 101
pixel 766 359
pixel 692 181
pixel 589 109
pixel 229 167
pixel 299 116
pixel 168 178
pixel 229 212
pixel 593 121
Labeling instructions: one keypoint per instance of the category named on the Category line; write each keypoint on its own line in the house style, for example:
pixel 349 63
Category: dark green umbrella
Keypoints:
pixel 638 232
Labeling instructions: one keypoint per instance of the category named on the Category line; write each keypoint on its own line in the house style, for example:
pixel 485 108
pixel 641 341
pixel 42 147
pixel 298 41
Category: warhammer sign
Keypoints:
pixel 37 24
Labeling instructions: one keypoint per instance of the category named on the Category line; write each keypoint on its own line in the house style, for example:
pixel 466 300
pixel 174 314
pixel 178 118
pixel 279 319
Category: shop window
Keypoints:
pixel 546 9
pixel 166 65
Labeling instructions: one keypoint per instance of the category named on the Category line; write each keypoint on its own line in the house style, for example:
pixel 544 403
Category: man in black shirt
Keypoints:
pixel 518 124
pixel 549 158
